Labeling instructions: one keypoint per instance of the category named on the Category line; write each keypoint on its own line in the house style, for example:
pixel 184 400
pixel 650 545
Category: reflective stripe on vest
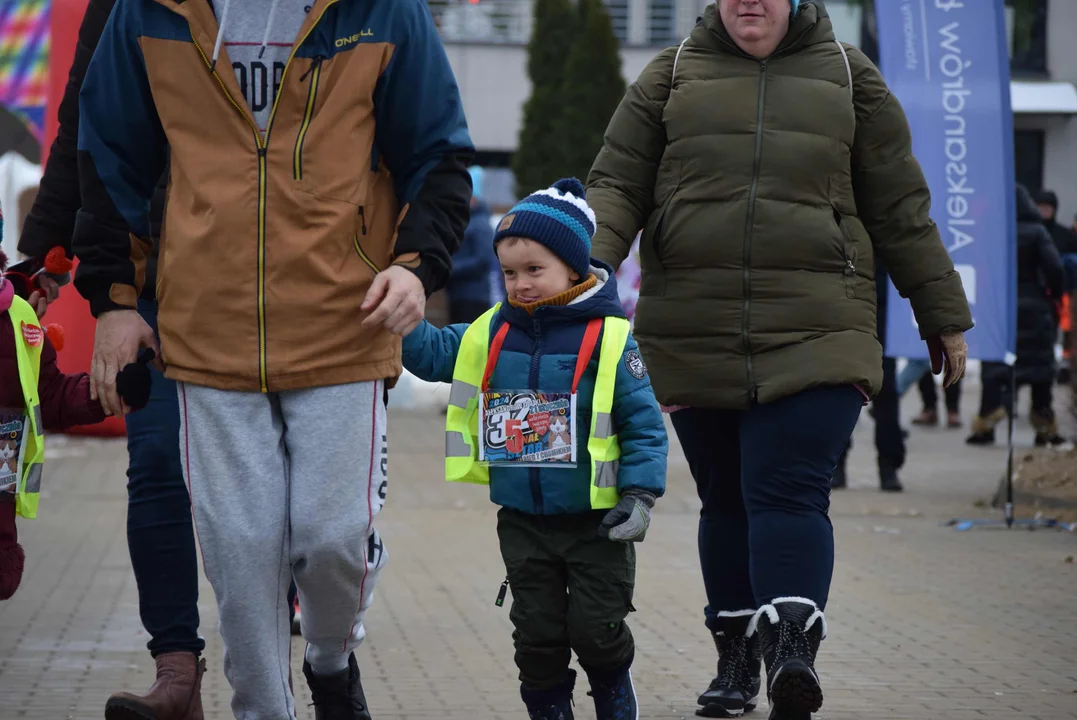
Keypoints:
pixel 28 487
pixel 462 418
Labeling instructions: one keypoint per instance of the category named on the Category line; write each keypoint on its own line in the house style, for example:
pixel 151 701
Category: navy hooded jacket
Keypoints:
pixel 539 353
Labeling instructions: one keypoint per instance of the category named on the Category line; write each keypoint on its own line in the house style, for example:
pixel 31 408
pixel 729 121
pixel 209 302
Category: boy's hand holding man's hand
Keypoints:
pixel 629 519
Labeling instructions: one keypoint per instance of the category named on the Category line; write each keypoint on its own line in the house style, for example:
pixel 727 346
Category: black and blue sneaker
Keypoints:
pixel 552 704
pixel 613 693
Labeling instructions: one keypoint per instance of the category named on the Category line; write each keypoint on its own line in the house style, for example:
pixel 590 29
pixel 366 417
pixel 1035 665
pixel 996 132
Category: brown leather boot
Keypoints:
pixel 175 696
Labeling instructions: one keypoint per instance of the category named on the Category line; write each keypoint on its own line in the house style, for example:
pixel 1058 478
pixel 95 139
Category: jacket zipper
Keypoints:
pixel 532 383
pixel 358 246
pixel 315 73
pixel 749 222
pixel 262 146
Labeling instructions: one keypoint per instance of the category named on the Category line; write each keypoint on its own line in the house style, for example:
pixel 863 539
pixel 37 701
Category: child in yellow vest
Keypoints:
pixel 34 397
pixel 552 406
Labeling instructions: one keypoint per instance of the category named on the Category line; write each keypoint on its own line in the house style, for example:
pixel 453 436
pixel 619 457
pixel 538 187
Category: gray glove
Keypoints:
pixel 628 520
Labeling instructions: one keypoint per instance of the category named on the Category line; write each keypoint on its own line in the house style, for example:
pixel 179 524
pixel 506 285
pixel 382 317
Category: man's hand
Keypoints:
pixel 41 299
pixel 629 519
pixel 397 299
pixel 120 335
pixel 948 350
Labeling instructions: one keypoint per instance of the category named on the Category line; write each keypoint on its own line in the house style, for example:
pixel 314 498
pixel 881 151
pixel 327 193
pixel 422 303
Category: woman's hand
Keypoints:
pixel 951 351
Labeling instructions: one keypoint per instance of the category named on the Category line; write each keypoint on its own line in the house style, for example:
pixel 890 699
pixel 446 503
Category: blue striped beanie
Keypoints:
pixel 557 217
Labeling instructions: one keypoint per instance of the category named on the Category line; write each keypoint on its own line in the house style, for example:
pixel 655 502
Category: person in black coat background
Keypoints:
pixel 1040 282
pixel 885 407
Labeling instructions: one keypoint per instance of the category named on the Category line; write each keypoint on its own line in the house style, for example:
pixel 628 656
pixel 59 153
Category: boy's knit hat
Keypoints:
pixel 557 217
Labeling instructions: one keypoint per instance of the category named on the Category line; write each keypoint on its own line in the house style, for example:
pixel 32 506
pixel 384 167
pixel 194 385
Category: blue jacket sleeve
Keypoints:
pixel 430 354
pixel 641 431
pixel 422 134
pixel 122 152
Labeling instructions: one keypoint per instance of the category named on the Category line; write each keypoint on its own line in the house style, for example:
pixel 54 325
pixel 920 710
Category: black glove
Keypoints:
pixel 629 519
pixel 133 381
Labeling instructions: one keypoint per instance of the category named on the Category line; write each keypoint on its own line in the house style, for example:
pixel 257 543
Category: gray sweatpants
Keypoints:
pixel 286 484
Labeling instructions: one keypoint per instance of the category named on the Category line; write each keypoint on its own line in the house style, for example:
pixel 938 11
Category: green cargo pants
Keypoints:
pixel 571 590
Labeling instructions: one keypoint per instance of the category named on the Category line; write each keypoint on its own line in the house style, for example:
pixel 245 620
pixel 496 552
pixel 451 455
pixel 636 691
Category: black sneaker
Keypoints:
pixel 338 696
pixel 789 632
pixel 888 479
pixel 552 704
pixel 735 689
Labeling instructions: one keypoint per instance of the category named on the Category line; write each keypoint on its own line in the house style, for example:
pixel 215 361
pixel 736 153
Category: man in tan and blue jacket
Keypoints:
pixel 318 188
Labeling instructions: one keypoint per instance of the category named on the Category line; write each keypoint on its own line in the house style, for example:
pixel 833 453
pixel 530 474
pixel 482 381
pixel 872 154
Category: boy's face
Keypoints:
pixel 532 272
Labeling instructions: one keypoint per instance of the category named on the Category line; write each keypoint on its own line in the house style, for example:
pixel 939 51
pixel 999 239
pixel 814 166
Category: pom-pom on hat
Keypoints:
pixel 557 217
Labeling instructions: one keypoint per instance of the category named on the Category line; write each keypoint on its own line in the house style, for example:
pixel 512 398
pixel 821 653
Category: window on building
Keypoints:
pixel 662 26
pixel 1026 33
pixel 618 10
pixel 1028 158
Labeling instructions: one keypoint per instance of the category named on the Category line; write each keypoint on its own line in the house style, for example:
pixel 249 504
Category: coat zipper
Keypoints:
pixel 533 379
pixel 749 222
pixel 315 73
pixel 358 246
pixel 262 146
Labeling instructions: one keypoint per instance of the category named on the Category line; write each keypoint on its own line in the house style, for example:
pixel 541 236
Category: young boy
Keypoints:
pixel 551 405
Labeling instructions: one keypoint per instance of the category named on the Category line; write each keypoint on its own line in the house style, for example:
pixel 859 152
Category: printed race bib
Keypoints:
pixel 12 432
pixel 525 428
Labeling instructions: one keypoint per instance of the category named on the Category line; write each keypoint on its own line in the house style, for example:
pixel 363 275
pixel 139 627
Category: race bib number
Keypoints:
pixel 12 432
pixel 525 428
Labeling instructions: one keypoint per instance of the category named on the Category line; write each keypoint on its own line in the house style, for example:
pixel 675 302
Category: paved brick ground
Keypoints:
pixel 926 622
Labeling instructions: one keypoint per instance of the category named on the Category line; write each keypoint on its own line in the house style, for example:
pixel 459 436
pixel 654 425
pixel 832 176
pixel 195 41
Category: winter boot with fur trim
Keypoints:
pixel 613 693
pixel 983 428
pixel 789 632
pixel 735 689
pixel 1046 429
pixel 552 704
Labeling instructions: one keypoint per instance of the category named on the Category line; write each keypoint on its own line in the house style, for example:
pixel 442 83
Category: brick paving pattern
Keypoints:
pixel 925 622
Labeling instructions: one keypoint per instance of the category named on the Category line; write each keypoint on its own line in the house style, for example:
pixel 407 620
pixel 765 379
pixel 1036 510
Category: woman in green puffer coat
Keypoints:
pixel 767 165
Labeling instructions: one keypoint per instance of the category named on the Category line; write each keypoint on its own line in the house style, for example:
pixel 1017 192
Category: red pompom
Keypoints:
pixel 56 262
pixel 55 332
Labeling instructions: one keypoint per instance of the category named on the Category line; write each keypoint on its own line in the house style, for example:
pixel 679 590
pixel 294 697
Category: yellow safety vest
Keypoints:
pixel 462 418
pixel 28 487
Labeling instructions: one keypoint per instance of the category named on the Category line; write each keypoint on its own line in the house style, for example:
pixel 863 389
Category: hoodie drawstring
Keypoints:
pixel 224 20
pixel 220 35
pixel 269 26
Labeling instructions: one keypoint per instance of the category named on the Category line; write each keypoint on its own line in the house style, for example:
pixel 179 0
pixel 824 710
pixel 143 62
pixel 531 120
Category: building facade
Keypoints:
pixel 486 44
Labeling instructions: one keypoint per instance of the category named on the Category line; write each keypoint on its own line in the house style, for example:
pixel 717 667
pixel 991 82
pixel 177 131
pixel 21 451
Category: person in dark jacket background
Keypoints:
pixel 1039 286
pixel 885 408
pixel 469 284
pixel 160 534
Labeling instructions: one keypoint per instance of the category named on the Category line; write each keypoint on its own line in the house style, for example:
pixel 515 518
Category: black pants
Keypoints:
pixel 763 475
pixel 929 394
pixel 995 393
pixel 886 407
pixel 160 534
pixel 571 590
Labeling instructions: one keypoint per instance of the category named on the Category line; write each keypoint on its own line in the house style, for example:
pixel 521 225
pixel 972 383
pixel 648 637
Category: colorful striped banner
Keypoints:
pixel 24 60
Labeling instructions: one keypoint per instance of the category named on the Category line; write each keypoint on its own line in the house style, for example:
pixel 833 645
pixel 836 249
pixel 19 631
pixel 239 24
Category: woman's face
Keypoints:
pixel 757 26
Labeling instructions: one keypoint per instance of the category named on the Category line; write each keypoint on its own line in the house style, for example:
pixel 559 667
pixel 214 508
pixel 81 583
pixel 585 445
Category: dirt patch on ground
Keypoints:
pixel 1046 481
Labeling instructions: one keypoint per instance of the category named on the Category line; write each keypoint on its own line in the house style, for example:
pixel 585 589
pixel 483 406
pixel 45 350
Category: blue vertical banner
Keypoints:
pixel 947 63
